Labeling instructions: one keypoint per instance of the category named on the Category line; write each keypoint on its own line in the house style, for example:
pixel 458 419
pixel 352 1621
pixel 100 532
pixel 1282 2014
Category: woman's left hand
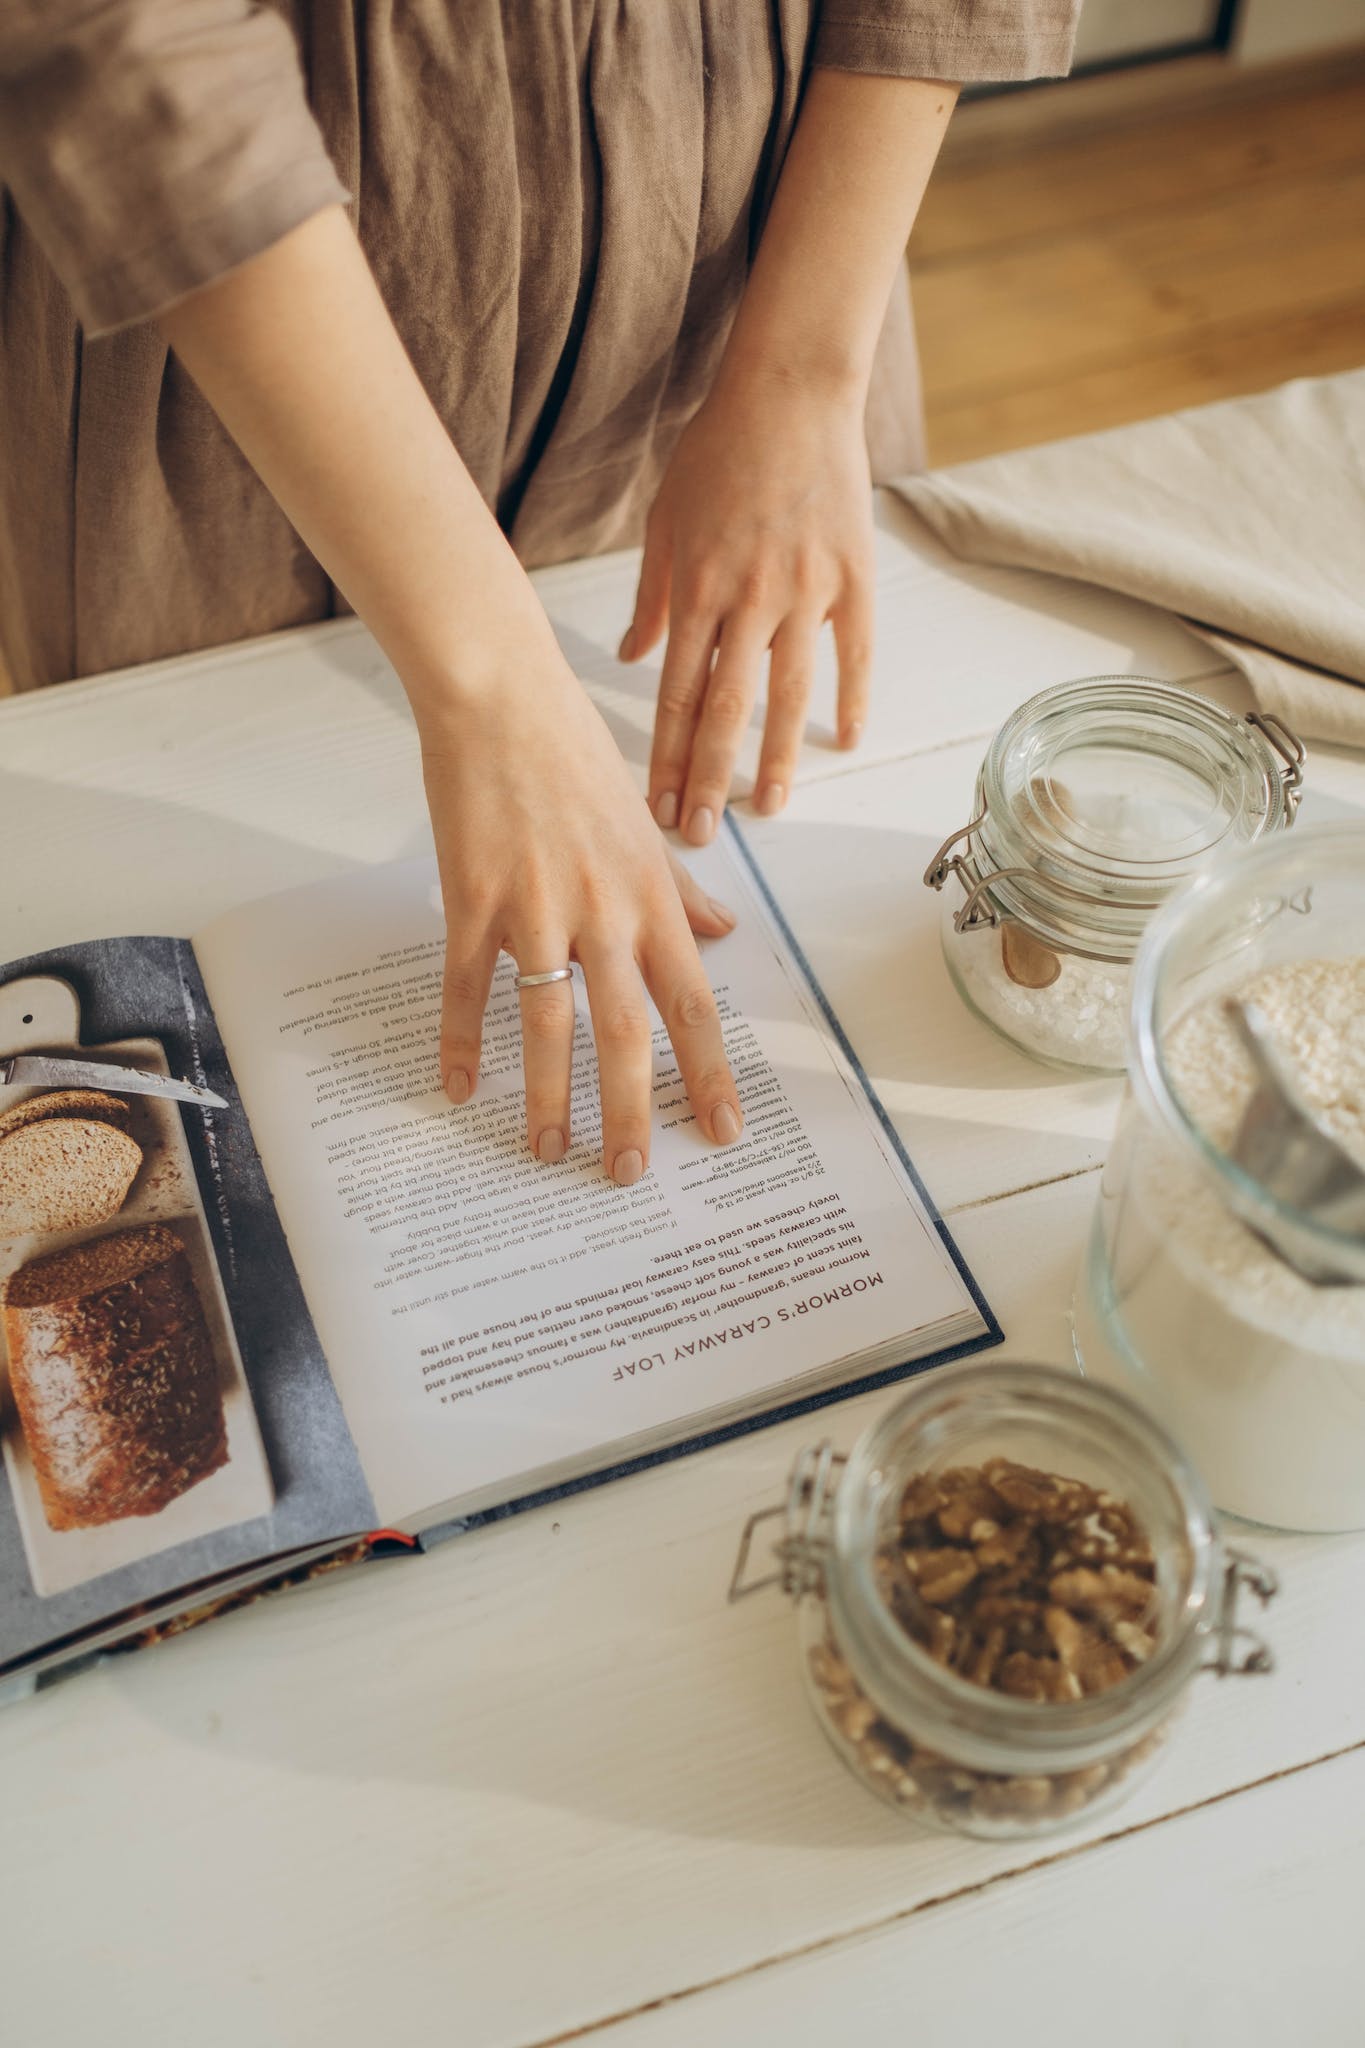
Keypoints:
pixel 762 530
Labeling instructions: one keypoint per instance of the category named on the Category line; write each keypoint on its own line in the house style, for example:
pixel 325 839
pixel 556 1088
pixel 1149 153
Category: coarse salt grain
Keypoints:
pixel 1079 1019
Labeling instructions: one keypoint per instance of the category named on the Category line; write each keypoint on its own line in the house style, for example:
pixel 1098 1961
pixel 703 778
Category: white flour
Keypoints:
pixel 1261 1373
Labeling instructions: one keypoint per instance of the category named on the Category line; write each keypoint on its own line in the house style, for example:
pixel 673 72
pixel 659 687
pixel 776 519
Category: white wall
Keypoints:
pixel 1123 28
pixel 1266 29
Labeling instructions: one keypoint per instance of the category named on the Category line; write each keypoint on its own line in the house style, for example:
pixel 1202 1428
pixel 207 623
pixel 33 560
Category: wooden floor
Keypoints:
pixel 1071 274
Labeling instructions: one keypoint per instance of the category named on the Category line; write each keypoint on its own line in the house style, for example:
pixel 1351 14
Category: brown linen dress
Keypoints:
pixel 560 200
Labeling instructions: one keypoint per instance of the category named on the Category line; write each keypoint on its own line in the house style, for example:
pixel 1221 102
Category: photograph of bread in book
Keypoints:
pixel 239 1338
pixel 126 1393
pixel 113 1374
pixel 166 1416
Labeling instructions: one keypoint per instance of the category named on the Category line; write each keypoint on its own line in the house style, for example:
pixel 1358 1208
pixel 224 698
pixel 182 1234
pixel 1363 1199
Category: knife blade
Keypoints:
pixel 36 1068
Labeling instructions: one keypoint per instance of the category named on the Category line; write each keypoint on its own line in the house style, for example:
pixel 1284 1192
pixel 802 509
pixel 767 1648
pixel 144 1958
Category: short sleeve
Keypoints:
pixel 152 145
pixel 963 40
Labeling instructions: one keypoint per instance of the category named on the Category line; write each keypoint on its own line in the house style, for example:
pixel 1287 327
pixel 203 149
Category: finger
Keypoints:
pixel 677 981
pixel 625 1058
pixel 708 917
pixel 651 595
pixel 470 960
pixel 852 620
pixel 720 728
pixel 547 1029
pixel 789 684
pixel 687 665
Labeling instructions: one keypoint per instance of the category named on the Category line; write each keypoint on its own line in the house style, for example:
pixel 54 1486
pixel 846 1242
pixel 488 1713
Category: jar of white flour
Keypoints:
pixel 1095 801
pixel 1194 1295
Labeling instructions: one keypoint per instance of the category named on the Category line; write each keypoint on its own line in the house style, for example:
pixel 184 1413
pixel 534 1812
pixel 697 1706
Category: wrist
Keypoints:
pixel 826 371
pixel 454 674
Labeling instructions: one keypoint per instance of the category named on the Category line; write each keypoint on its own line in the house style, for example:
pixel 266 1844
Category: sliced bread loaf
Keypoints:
pixel 64 1173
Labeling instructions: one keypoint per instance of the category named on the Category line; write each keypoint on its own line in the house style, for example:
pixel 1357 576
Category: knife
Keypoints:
pixel 36 1067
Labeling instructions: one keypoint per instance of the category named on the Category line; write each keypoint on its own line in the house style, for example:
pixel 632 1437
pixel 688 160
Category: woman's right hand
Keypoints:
pixel 548 852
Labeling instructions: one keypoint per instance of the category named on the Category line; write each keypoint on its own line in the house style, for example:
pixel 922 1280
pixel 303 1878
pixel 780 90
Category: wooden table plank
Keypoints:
pixel 1251 1905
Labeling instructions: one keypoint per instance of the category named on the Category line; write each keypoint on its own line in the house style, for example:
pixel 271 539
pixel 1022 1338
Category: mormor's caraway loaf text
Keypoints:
pixel 113 1373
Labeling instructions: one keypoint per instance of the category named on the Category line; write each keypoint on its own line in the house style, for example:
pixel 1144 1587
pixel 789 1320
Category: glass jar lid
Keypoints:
pixel 1097 799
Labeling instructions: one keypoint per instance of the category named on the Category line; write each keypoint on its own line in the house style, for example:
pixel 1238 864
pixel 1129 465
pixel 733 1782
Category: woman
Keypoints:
pixel 610 271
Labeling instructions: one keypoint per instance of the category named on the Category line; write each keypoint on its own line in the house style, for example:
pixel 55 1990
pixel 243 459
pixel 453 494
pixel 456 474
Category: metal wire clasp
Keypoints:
pixel 945 862
pixel 976 909
pixel 1291 751
pixel 799 1553
pixel 1238 1652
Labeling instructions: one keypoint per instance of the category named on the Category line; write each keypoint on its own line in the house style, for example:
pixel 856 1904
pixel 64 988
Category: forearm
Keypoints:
pixel 841 217
pixel 544 847
pixel 297 355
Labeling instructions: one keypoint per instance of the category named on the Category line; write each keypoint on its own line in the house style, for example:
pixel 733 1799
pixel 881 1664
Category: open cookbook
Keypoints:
pixel 340 1315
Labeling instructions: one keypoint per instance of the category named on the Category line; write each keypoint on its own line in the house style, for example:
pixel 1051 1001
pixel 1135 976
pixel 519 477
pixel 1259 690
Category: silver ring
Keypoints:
pixel 540 980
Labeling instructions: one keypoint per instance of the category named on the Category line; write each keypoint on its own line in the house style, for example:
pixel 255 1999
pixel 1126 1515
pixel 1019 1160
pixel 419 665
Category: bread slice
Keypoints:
pixel 64 1173
pixel 90 1102
pixel 81 1271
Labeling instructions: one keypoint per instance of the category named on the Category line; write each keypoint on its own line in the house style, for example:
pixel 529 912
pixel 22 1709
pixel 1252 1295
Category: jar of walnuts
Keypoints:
pixel 1004 1593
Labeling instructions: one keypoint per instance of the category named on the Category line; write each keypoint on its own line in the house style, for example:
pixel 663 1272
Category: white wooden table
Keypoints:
pixel 544 1785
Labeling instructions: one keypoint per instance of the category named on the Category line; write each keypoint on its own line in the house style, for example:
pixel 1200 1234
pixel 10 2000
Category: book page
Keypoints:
pixel 487 1317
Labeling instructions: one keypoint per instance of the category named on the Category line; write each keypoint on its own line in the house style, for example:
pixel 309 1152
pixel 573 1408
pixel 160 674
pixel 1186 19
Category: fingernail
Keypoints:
pixel 550 1147
pixel 666 810
pixel 721 911
pixel 725 1124
pixel 627 1168
pixel 771 798
pixel 457 1085
pixel 700 826
pixel 851 735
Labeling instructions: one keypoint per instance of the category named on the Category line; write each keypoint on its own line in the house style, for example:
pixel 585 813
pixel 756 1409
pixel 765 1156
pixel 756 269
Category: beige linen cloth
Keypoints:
pixel 1247 518
pixel 560 200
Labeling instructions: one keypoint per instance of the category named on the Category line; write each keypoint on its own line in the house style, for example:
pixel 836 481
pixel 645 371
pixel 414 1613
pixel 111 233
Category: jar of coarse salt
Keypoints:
pixel 1096 800
pixel 1230 1306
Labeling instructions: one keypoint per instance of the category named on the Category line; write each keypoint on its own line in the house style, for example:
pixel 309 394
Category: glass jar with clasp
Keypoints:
pixel 1224 1283
pixel 1004 1594
pixel 1095 801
